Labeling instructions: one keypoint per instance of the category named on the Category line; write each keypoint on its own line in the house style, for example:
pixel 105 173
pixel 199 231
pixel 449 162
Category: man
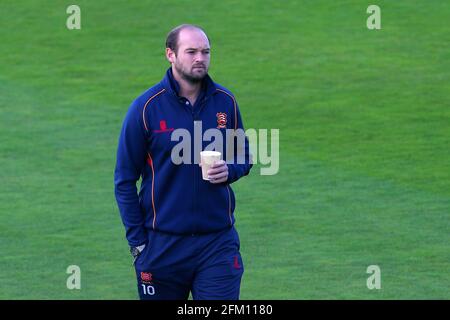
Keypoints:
pixel 180 228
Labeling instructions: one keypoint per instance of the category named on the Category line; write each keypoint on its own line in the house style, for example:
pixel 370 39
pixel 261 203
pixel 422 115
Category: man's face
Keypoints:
pixel 191 61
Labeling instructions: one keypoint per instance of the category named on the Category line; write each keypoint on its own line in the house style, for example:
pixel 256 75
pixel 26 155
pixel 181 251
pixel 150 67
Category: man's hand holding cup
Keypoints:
pixel 213 169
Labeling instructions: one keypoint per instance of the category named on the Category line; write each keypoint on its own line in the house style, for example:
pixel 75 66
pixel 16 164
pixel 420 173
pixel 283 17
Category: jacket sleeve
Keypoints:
pixel 242 159
pixel 131 155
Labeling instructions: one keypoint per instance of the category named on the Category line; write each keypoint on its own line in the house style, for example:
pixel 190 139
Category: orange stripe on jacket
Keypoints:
pixel 229 204
pixel 145 107
pixel 150 163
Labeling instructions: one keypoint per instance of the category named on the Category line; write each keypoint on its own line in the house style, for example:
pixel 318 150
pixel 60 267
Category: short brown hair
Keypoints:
pixel 172 37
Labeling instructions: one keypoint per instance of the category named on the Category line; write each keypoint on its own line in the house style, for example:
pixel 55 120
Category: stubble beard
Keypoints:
pixel 190 76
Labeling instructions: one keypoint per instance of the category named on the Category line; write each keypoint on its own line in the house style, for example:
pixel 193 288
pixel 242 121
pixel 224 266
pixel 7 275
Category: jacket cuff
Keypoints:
pixel 136 237
pixel 231 174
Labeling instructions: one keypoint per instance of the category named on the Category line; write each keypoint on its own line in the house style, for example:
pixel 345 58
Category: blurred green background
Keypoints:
pixel 364 126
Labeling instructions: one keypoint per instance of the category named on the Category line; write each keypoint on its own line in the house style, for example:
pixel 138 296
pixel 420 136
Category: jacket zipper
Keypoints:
pixel 194 168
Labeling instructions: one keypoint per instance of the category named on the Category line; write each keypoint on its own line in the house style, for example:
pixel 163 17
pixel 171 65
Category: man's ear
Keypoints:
pixel 170 55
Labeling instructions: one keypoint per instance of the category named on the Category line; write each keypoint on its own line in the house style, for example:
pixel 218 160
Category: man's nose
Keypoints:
pixel 200 57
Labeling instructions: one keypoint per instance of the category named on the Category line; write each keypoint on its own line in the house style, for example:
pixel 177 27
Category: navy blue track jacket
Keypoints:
pixel 173 198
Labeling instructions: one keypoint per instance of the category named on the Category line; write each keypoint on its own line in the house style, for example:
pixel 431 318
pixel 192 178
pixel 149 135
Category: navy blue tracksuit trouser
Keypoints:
pixel 208 265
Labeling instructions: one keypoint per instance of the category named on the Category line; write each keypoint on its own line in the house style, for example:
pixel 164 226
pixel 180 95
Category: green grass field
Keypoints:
pixel 364 126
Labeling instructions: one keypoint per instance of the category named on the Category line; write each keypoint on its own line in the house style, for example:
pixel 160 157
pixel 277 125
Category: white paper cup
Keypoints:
pixel 207 158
